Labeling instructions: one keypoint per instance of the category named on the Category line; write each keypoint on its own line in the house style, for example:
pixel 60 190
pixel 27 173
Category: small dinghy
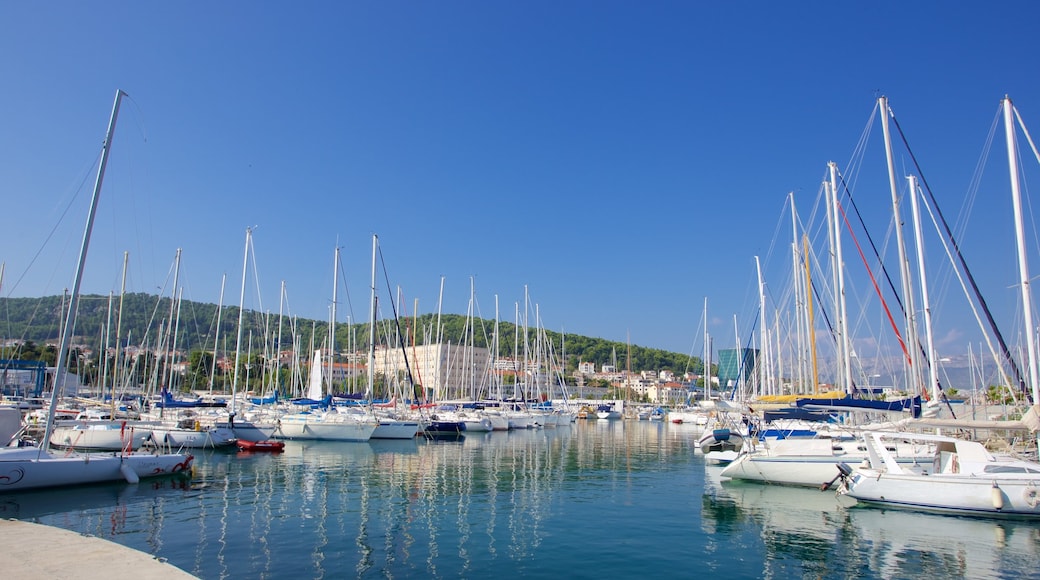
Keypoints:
pixel 268 445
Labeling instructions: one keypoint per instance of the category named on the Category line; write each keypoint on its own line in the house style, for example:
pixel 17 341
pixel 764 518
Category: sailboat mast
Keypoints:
pixel 933 376
pixel 799 317
pixel 766 386
pixel 216 333
pixel 278 341
pixel 372 325
pixel 241 306
pixel 815 377
pixel 844 344
pixel 707 355
pixel 1023 265
pixel 904 264
pixel 70 315
pixel 104 367
pixel 119 324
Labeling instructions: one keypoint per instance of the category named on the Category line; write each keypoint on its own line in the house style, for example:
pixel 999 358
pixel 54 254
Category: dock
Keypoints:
pixel 39 551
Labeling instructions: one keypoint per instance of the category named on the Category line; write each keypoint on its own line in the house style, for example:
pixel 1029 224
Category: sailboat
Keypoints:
pixel 388 424
pixel 24 468
pixel 323 421
pixel 964 478
pixel 246 427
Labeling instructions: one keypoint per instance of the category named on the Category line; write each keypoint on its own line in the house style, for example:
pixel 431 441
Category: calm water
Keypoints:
pixel 597 499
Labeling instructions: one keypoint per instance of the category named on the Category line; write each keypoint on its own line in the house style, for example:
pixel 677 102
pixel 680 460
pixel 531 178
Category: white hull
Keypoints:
pixel 100 435
pixel 203 438
pixel 498 421
pixel 477 425
pixel 24 468
pixel 946 494
pixel 687 417
pixel 247 431
pixel 328 427
pixel 394 429
pixel 806 462
pixel 963 479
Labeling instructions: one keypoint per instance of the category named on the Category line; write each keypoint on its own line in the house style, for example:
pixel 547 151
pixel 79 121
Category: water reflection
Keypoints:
pixel 811 532
pixel 596 499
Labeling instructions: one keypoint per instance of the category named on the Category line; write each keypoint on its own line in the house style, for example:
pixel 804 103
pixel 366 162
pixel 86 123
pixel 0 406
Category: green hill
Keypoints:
pixel 146 321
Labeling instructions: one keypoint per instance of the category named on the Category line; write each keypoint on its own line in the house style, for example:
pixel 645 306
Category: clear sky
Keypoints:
pixel 623 161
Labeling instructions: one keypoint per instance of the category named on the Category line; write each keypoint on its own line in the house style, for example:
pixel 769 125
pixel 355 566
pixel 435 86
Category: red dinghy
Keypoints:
pixel 268 445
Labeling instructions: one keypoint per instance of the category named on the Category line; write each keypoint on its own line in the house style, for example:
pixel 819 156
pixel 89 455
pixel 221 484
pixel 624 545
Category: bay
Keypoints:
pixel 596 499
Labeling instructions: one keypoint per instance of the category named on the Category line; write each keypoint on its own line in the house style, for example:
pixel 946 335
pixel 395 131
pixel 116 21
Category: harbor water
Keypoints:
pixel 617 499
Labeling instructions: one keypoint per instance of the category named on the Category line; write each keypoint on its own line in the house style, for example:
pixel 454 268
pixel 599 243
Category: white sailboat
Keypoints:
pixel 963 478
pixel 245 427
pixel 24 468
pixel 389 425
pixel 323 425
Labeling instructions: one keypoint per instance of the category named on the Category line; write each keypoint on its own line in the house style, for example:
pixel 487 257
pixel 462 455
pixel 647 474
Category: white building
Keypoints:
pixel 445 371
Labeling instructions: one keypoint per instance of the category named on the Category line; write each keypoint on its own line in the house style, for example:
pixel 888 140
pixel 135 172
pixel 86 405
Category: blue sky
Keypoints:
pixel 623 161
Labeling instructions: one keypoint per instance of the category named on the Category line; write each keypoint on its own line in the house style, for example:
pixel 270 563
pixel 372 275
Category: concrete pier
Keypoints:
pixel 38 551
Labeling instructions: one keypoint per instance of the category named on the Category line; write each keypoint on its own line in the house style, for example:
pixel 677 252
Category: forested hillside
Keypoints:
pixel 146 320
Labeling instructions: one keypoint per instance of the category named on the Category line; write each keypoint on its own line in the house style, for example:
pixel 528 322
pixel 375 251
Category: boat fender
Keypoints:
pixel 997 495
pixel 129 473
pixel 1032 496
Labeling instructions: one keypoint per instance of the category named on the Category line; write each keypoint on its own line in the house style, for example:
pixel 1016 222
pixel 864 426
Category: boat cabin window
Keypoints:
pixel 1009 469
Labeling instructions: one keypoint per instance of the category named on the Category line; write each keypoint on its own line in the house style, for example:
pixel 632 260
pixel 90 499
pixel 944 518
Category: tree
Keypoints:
pixel 200 365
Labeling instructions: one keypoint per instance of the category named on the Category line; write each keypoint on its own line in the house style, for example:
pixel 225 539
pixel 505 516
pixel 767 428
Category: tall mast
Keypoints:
pixel 216 333
pixel 174 325
pixel 913 348
pixel 932 359
pixel 815 376
pixel 241 306
pixel 119 323
pixel 799 303
pixel 332 321
pixel 845 346
pixel 104 367
pixel 766 375
pixel 278 342
pixel 707 355
pixel 372 325
pixel 70 316
pixel 1023 265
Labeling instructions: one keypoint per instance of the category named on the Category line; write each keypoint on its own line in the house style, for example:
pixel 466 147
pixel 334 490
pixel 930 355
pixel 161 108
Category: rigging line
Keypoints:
pixel 1036 154
pixel 888 278
pixel 397 323
pixel 346 287
pixel 960 258
pixel 50 234
pixel 820 307
pixel 873 281
pixel 873 246
pixel 740 366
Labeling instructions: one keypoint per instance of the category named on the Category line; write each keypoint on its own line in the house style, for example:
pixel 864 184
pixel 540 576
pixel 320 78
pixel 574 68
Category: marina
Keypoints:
pixel 860 417
pixel 594 499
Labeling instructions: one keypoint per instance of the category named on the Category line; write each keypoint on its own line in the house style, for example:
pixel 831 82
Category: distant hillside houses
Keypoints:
pixel 658 387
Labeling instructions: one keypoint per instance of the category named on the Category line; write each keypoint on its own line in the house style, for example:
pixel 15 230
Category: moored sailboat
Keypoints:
pixel 35 467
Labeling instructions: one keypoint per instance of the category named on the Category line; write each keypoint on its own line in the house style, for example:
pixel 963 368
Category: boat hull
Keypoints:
pixel 938 493
pixel 396 430
pixel 203 438
pixel 267 446
pixel 32 468
pixel 100 435
pixel 316 429
pixel 806 462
